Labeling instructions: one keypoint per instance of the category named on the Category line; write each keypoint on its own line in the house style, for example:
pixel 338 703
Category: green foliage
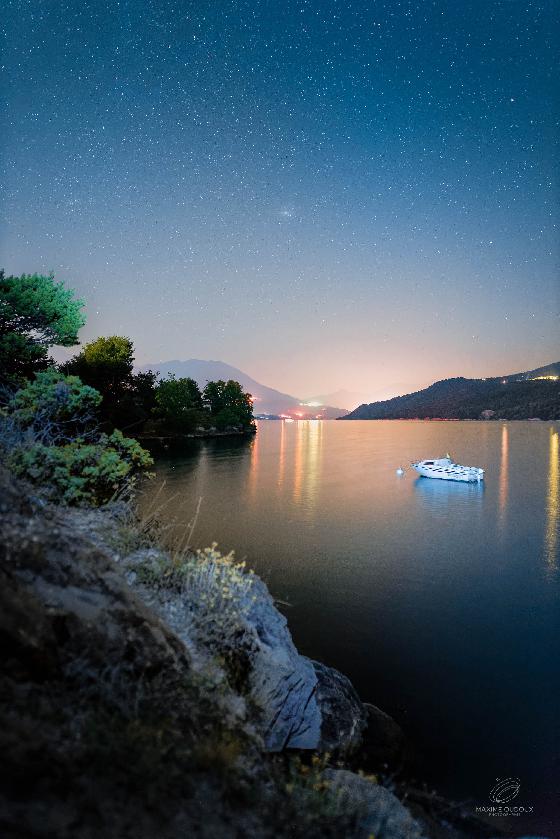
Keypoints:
pixel 107 365
pixel 82 473
pixel 228 404
pixel 179 404
pixel 35 313
pixel 63 401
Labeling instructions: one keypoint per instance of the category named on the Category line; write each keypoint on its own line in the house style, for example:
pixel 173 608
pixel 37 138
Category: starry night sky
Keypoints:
pixel 326 194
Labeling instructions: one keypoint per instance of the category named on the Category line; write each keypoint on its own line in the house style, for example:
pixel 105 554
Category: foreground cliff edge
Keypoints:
pixel 153 693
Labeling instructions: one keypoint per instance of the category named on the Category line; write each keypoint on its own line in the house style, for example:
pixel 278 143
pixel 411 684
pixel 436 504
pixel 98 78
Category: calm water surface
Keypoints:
pixel 439 600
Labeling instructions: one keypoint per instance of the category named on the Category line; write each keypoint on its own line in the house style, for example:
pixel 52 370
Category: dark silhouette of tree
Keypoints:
pixel 179 405
pixel 228 404
pixel 35 313
pixel 107 364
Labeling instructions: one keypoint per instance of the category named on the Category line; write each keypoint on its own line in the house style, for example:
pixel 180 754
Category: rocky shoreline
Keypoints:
pixel 149 690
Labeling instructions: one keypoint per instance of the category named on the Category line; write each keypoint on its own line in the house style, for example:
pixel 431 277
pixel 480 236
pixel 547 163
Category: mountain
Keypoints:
pixel 534 393
pixel 266 400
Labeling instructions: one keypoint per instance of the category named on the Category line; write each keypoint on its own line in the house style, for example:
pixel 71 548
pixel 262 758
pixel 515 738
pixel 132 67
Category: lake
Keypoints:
pixel 439 600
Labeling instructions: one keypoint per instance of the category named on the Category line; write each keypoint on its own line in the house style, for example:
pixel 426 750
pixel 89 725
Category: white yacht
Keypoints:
pixel 446 470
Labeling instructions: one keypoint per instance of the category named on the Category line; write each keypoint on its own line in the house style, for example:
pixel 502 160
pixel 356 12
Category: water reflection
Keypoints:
pixel 307 462
pixel 282 456
pixel 253 466
pixel 503 484
pixel 552 503
pixel 445 490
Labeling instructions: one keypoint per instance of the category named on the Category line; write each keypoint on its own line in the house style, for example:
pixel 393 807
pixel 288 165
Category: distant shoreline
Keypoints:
pixel 409 419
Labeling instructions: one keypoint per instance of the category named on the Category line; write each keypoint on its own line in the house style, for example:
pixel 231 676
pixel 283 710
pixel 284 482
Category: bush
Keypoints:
pixel 54 407
pixel 82 473
pixel 216 594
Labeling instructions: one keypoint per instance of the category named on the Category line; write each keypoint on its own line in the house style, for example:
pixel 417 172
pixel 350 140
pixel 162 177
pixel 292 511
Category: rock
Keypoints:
pixel 283 683
pixel 304 704
pixel 381 814
pixel 384 743
pixel 301 704
pixel 343 716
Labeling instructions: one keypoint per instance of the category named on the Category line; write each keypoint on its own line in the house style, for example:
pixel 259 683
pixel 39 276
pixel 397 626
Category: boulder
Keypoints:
pixel 384 744
pixel 343 716
pixel 304 704
pixel 381 814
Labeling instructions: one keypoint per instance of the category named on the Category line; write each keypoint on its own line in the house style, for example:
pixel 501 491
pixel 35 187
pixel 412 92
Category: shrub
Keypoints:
pixel 216 594
pixel 54 407
pixel 82 473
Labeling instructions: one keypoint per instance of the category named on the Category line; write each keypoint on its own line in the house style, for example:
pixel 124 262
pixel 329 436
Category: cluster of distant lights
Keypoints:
pixel 299 415
pixel 535 379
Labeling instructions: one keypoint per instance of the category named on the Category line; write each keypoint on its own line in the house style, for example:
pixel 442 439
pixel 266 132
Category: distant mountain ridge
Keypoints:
pixel 267 400
pixel 527 395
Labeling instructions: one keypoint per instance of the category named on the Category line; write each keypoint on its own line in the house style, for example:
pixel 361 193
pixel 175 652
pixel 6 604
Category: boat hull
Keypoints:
pixel 465 477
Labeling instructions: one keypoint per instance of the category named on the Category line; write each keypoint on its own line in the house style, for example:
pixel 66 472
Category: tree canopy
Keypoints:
pixel 35 313
pixel 107 364
pixel 228 404
pixel 179 404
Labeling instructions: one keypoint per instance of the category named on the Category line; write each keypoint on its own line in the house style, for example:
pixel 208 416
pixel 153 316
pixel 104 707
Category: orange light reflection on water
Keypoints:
pixel 307 461
pixel 552 504
pixel 503 484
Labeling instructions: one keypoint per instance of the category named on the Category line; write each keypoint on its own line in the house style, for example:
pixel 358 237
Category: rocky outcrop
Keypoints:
pixel 282 682
pixel 381 814
pixel 105 730
pixel 302 704
pixel 60 596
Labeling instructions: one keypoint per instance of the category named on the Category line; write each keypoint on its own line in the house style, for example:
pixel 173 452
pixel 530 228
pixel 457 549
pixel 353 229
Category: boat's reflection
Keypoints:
pixel 441 493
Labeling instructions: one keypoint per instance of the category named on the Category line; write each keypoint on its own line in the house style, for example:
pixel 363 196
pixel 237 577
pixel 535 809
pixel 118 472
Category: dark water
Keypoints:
pixel 439 600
